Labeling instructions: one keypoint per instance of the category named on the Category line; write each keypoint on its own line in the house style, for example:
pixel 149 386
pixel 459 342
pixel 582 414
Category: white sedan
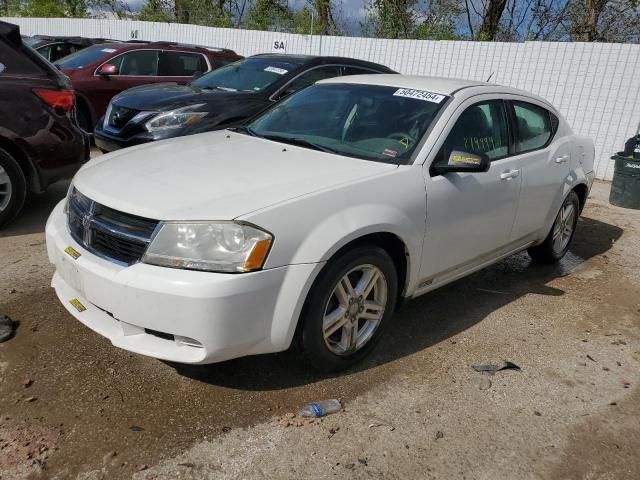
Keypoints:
pixel 309 224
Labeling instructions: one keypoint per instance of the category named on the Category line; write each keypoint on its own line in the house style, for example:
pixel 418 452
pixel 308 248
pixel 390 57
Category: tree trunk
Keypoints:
pixel 491 20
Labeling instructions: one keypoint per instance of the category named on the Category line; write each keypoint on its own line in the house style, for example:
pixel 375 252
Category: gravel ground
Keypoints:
pixel 73 406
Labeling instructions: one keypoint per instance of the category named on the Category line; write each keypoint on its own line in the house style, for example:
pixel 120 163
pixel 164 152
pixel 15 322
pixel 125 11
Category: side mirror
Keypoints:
pixel 108 69
pixel 460 161
pixel 197 74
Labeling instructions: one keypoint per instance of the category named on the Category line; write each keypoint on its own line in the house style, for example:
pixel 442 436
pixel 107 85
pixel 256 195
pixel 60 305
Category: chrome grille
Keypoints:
pixel 108 233
pixel 119 116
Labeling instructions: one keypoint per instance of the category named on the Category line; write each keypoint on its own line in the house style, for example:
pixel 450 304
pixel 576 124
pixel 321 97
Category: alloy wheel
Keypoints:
pixel 5 189
pixel 563 227
pixel 355 309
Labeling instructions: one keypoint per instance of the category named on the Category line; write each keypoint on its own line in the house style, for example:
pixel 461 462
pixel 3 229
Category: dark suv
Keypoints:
pixel 40 141
pixel 55 48
pixel 220 99
pixel 101 71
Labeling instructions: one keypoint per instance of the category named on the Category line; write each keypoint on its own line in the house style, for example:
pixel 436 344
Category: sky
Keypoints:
pixel 349 12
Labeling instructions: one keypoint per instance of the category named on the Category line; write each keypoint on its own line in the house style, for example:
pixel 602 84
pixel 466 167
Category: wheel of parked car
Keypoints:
pixel 13 188
pixel 347 308
pixel 557 243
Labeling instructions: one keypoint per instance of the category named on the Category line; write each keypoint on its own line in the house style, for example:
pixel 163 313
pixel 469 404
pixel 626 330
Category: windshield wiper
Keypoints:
pixel 300 142
pixel 244 129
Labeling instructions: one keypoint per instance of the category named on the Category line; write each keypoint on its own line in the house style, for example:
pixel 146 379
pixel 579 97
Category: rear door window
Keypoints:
pixel 181 64
pixel 533 126
pixel 137 63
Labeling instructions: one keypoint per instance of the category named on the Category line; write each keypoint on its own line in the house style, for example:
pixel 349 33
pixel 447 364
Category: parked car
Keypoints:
pixel 226 97
pixel 101 71
pixel 309 224
pixel 55 48
pixel 40 141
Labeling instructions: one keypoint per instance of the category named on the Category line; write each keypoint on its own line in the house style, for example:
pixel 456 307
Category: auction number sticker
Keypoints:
pixel 419 95
pixel 279 71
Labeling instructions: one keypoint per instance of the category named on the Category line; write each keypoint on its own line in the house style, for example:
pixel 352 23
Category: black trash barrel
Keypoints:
pixel 625 188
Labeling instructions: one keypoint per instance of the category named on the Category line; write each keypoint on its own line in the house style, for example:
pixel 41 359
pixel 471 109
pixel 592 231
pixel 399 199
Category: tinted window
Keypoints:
pixel 137 63
pixel 19 61
pixel 85 57
pixel 181 64
pixel 364 121
pixel 356 71
pixel 56 51
pixel 482 128
pixel 311 77
pixel 249 75
pixel 533 126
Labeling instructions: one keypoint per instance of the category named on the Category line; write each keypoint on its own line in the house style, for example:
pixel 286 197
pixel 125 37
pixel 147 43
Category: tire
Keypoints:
pixel 334 352
pixel 13 188
pixel 558 241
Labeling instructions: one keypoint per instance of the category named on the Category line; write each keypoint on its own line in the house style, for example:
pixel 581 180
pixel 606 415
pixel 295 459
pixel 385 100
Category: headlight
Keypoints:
pixel 214 247
pixel 179 118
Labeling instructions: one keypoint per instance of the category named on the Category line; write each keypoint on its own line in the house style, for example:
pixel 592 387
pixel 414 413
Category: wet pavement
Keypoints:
pixel 93 407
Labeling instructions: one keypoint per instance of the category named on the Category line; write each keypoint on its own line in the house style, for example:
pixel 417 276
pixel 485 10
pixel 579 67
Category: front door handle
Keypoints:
pixel 509 174
pixel 562 159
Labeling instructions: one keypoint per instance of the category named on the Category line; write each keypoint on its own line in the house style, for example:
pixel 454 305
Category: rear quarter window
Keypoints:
pixel 20 61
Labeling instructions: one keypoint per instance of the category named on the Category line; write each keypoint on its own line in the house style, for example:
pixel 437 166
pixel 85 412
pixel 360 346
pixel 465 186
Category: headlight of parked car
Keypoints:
pixel 179 118
pixel 214 247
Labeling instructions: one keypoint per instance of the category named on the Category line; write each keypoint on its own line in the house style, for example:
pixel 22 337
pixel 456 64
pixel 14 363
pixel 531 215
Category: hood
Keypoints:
pixel 168 96
pixel 214 176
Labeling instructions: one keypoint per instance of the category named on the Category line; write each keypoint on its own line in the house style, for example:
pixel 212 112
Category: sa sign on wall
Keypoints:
pixel 279 46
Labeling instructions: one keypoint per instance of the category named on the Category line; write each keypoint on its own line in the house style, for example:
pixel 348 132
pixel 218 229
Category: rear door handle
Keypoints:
pixel 509 174
pixel 562 159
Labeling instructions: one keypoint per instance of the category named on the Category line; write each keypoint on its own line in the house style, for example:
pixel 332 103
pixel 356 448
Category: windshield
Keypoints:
pixel 85 57
pixel 249 75
pixel 383 124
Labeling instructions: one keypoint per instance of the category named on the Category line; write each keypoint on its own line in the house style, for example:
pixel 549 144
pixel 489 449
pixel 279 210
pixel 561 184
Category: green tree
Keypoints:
pixel 390 19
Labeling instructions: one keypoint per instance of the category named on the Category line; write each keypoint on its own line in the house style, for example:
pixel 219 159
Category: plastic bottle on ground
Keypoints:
pixel 322 408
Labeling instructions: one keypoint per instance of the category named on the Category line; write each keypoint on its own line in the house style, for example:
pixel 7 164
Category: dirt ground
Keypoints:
pixel 73 406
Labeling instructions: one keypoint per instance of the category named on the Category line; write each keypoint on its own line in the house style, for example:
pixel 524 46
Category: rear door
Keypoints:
pixel 544 162
pixel 180 66
pixel 470 215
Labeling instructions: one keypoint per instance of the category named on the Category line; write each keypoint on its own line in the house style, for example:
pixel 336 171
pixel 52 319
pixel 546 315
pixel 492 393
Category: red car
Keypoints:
pixel 102 71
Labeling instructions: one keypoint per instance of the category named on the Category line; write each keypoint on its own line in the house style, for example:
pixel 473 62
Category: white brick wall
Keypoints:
pixel 595 85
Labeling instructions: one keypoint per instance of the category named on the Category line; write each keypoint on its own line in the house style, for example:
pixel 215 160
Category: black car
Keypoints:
pixel 223 98
pixel 55 48
pixel 40 141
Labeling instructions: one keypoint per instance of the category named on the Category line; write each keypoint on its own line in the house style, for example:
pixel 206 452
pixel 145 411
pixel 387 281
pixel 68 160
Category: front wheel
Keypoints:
pixel 347 308
pixel 557 243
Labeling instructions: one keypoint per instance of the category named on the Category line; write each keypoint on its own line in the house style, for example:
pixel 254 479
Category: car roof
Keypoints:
pixel 321 60
pixel 142 45
pixel 441 85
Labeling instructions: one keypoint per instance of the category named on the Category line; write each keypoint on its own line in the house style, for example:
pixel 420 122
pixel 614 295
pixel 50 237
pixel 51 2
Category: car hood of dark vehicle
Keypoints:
pixel 163 97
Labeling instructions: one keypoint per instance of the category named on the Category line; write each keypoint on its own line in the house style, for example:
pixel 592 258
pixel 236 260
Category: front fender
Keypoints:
pixel 312 228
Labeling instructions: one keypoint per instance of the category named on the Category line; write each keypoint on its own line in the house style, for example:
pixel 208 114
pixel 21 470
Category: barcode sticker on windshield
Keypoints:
pixel 108 50
pixel 419 95
pixel 279 71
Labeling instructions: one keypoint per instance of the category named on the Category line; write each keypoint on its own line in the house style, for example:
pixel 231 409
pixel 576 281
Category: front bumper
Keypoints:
pixel 177 315
pixel 110 143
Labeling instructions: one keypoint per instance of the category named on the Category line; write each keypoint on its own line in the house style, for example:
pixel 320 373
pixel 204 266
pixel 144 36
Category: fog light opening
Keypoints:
pixel 186 341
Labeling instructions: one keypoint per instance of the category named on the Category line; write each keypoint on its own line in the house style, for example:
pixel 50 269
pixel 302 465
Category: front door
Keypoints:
pixel 470 215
